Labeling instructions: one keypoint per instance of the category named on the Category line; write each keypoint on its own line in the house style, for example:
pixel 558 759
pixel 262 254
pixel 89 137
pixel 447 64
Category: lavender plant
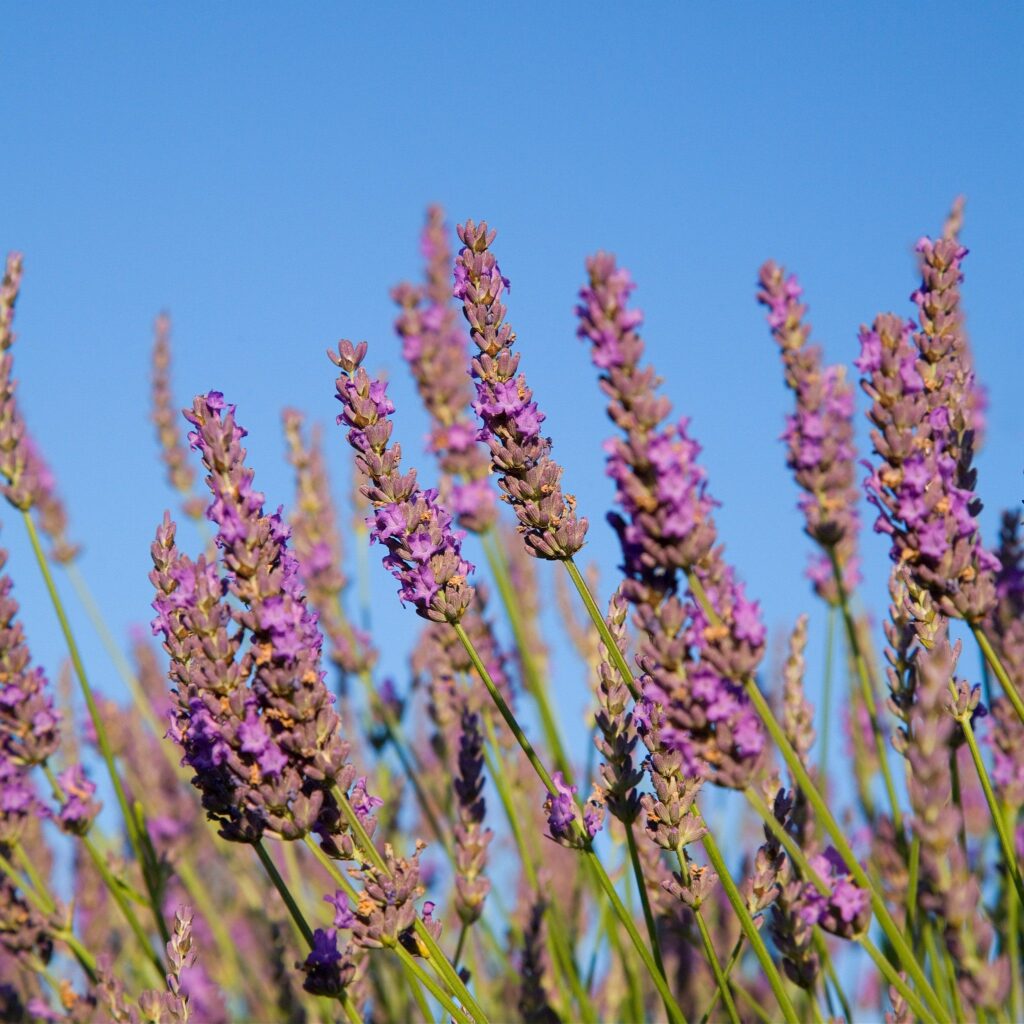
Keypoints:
pixel 252 837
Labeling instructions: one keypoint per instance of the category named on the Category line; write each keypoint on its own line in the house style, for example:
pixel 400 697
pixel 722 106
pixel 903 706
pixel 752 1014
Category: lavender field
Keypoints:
pixel 470 685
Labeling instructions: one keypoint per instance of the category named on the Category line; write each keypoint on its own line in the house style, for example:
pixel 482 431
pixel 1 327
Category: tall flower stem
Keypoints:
pixel 437 958
pixel 1005 842
pixel 867 690
pixel 618 660
pixel 1012 931
pixel 709 948
pixel 645 899
pixel 556 933
pixel 671 1007
pixel 531 676
pixel 645 954
pixel 734 957
pixel 937 1011
pixel 824 815
pixel 138 837
pixel 826 701
pixel 1000 670
pixel 735 897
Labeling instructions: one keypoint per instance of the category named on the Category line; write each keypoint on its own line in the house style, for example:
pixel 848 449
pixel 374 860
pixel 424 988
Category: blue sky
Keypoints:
pixel 261 170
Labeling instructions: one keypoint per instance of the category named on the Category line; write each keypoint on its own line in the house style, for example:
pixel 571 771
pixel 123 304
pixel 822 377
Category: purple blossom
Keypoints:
pixel 528 476
pixel 424 552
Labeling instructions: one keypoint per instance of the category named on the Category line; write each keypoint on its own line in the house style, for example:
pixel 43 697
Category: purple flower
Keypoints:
pixel 77 809
pixel 424 552
pixel 819 435
pixel 528 476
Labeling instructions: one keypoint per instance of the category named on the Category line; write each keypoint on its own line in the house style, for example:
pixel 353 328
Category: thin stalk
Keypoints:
pixel 351 1011
pixel 867 690
pixel 733 959
pixel 913 874
pixel 675 1014
pixel 555 932
pixel 1012 927
pixel 92 609
pixel 505 711
pixel 709 947
pixel 830 972
pixel 542 772
pixel 420 975
pixel 735 897
pixel 826 701
pixel 463 932
pixel 1000 670
pixel 140 841
pixel 758 1009
pixel 645 900
pixel 285 893
pixel 227 950
pixel 1005 843
pixel 618 660
pixel 531 676
pixel 842 846
pixel 892 976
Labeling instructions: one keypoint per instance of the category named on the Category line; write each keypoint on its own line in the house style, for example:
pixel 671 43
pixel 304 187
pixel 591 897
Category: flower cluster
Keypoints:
pixel 424 552
pixel 256 723
pixel 528 476
pixel 436 349
pixel 818 435
pixel 694 657
pixel 923 485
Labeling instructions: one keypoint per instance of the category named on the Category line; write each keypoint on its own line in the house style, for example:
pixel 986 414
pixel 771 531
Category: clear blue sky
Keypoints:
pixel 262 170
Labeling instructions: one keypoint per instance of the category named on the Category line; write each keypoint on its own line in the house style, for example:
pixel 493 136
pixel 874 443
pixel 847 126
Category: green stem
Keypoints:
pixel 645 904
pixel 675 1014
pixel 719 990
pixel 420 975
pixel 1005 842
pixel 1012 934
pixel 285 893
pixel 463 932
pixel 997 666
pixel 826 701
pixel 542 773
pixel 504 710
pixel 749 928
pixel 350 1008
pixel 830 971
pixel 139 840
pixel 532 680
pixel 867 691
pixel 913 874
pixel 709 948
pixel 618 659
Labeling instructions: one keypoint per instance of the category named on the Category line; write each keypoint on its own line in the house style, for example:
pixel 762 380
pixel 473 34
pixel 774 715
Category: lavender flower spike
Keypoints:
pixel 471 837
pixel 819 434
pixel 173 452
pixel 434 345
pixel 666 531
pixel 919 383
pixel 529 477
pixel 424 553
pixel 257 725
